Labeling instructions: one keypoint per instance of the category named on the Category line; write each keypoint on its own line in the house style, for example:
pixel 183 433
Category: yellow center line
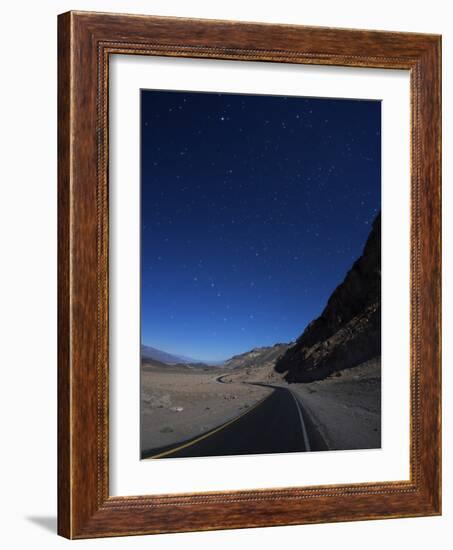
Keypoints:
pixel 207 434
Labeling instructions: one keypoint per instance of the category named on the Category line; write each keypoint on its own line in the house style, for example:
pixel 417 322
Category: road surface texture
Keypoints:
pixel 275 425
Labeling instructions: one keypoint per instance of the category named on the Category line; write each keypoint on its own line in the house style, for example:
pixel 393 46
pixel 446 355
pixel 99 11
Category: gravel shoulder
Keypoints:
pixel 346 408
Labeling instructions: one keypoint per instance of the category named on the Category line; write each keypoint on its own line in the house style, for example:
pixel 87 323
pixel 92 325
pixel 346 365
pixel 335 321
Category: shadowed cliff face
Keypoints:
pixel 348 332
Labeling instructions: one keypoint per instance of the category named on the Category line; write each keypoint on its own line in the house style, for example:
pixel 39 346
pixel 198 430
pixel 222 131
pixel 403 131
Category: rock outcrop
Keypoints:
pixel 348 331
pixel 257 357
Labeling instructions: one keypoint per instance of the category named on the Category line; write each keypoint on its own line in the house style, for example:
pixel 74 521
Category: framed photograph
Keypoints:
pixel 249 275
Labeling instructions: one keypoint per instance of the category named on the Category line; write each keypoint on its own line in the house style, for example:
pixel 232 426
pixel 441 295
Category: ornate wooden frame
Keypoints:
pixel 85 41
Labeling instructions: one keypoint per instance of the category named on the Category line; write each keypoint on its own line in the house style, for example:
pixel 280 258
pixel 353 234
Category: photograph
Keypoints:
pixel 260 274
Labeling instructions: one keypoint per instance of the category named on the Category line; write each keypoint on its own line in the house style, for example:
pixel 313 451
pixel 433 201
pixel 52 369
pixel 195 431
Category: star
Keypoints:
pixel 239 219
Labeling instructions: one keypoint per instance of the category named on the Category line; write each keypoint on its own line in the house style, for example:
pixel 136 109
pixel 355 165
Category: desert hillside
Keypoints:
pixel 347 333
pixel 257 356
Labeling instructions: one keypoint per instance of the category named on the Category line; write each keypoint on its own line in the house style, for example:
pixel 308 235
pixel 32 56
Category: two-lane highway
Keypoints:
pixel 275 425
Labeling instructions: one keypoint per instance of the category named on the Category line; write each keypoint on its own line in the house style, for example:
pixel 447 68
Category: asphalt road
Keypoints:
pixel 276 425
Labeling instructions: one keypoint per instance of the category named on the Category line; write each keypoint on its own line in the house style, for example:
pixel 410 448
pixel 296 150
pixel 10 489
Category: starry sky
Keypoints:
pixel 253 209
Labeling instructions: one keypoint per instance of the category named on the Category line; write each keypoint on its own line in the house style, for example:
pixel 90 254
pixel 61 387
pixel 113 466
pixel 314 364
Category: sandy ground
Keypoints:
pixel 179 403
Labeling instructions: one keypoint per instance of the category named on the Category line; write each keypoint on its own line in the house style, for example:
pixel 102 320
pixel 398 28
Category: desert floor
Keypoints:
pixel 179 403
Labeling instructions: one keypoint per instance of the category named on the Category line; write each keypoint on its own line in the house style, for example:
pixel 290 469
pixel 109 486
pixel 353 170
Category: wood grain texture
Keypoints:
pixel 64 367
pixel 86 40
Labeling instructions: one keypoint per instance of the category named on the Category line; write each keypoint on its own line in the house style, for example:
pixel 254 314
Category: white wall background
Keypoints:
pixel 28 269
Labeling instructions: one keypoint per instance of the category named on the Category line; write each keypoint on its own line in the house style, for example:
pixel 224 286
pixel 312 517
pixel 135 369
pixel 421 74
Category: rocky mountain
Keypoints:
pixel 348 331
pixel 257 357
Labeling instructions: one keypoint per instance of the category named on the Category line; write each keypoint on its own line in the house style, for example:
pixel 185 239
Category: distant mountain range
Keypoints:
pixel 256 356
pixel 148 352
pixel 154 354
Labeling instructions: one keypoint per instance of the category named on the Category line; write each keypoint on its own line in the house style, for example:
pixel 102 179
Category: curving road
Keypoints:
pixel 275 425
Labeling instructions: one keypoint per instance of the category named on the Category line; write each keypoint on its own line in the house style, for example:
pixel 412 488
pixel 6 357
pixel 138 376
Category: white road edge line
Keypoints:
pixel 302 423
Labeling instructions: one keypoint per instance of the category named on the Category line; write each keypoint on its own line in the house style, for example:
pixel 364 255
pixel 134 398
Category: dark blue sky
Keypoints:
pixel 253 209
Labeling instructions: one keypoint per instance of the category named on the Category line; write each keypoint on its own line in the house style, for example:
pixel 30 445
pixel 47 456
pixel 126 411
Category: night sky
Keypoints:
pixel 253 209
